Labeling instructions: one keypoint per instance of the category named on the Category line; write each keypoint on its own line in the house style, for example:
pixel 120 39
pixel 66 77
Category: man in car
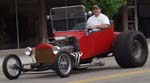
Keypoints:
pixel 98 20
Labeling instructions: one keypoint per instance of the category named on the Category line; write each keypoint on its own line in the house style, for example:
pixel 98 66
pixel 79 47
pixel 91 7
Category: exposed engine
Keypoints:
pixel 69 44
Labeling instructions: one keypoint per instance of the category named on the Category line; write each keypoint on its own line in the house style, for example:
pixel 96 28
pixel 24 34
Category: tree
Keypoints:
pixel 109 7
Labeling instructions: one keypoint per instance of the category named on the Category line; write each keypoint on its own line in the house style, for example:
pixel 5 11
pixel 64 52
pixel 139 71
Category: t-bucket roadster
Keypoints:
pixel 74 47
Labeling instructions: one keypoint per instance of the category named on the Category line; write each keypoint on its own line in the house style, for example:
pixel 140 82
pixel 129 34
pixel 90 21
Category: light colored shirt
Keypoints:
pixel 101 19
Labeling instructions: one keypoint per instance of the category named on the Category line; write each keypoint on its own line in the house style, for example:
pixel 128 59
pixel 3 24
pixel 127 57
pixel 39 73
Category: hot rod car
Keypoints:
pixel 74 47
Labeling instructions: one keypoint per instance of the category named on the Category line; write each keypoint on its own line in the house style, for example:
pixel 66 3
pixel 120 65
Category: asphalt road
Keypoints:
pixel 110 73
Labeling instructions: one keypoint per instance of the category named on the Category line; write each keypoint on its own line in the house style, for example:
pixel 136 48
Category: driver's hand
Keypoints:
pixel 93 27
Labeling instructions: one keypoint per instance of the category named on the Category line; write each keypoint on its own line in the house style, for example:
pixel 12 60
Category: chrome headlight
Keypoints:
pixel 56 49
pixel 28 51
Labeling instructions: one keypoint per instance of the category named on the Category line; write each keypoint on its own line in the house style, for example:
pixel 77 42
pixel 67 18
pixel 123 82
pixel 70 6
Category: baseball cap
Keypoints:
pixel 96 7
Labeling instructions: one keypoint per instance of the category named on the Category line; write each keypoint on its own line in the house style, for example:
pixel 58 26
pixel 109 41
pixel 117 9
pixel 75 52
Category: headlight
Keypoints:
pixel 28 51
pixel 56 49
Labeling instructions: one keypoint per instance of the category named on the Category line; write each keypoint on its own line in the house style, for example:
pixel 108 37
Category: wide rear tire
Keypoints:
pixel 131 49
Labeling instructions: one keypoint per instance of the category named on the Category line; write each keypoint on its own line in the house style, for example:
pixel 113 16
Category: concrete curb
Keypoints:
pixel 19 52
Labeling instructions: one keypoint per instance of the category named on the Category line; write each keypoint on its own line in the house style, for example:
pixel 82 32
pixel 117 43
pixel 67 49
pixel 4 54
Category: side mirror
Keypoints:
pixel 89 14
pixel 47 17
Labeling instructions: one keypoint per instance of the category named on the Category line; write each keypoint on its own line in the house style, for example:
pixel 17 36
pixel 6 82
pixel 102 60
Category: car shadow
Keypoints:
pixel 53 75
pixel 96 69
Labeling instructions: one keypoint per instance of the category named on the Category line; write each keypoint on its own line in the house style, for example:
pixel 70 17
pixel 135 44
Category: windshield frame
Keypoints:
pixel 66 17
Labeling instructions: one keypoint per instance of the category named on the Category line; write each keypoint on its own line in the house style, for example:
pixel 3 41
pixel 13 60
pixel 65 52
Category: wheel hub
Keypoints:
pixel 64 64
pixel 12 67
pixel 137 49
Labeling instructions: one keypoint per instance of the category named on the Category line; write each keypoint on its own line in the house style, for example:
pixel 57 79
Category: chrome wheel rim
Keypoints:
pixel 12 67
pixel 137 49
pixel 64 63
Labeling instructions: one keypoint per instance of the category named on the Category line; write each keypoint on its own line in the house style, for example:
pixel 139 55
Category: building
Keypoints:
pixel 23 22
pixel 139 16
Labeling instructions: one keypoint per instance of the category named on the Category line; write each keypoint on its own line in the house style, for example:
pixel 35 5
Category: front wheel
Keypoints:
pixel 11 67
pixel 63 64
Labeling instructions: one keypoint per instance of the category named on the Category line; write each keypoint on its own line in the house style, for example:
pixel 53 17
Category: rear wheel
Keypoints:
pixel 63 64
pixel 11 67
pixel 131 49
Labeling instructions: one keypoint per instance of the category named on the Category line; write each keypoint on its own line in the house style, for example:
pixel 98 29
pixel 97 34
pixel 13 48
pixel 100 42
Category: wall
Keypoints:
pixel 144 16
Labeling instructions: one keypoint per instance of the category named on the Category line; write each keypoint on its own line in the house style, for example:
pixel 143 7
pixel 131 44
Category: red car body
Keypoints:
pixel 92 44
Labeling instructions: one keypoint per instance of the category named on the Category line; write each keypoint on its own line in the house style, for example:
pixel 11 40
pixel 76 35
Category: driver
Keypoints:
pixel 98 20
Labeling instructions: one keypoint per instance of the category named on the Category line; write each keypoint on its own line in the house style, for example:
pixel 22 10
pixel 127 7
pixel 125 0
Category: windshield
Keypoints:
pixel 68 18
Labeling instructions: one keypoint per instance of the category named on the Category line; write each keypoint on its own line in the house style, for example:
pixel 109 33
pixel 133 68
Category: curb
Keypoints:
pixel 19 52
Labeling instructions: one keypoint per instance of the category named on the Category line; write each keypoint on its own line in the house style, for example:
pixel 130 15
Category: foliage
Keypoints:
pixel 109 7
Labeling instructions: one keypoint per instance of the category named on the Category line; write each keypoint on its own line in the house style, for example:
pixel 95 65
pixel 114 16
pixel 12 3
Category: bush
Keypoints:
pixel 109 7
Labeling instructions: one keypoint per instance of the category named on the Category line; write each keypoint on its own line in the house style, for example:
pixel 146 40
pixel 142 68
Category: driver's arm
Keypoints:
pixel 102 26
